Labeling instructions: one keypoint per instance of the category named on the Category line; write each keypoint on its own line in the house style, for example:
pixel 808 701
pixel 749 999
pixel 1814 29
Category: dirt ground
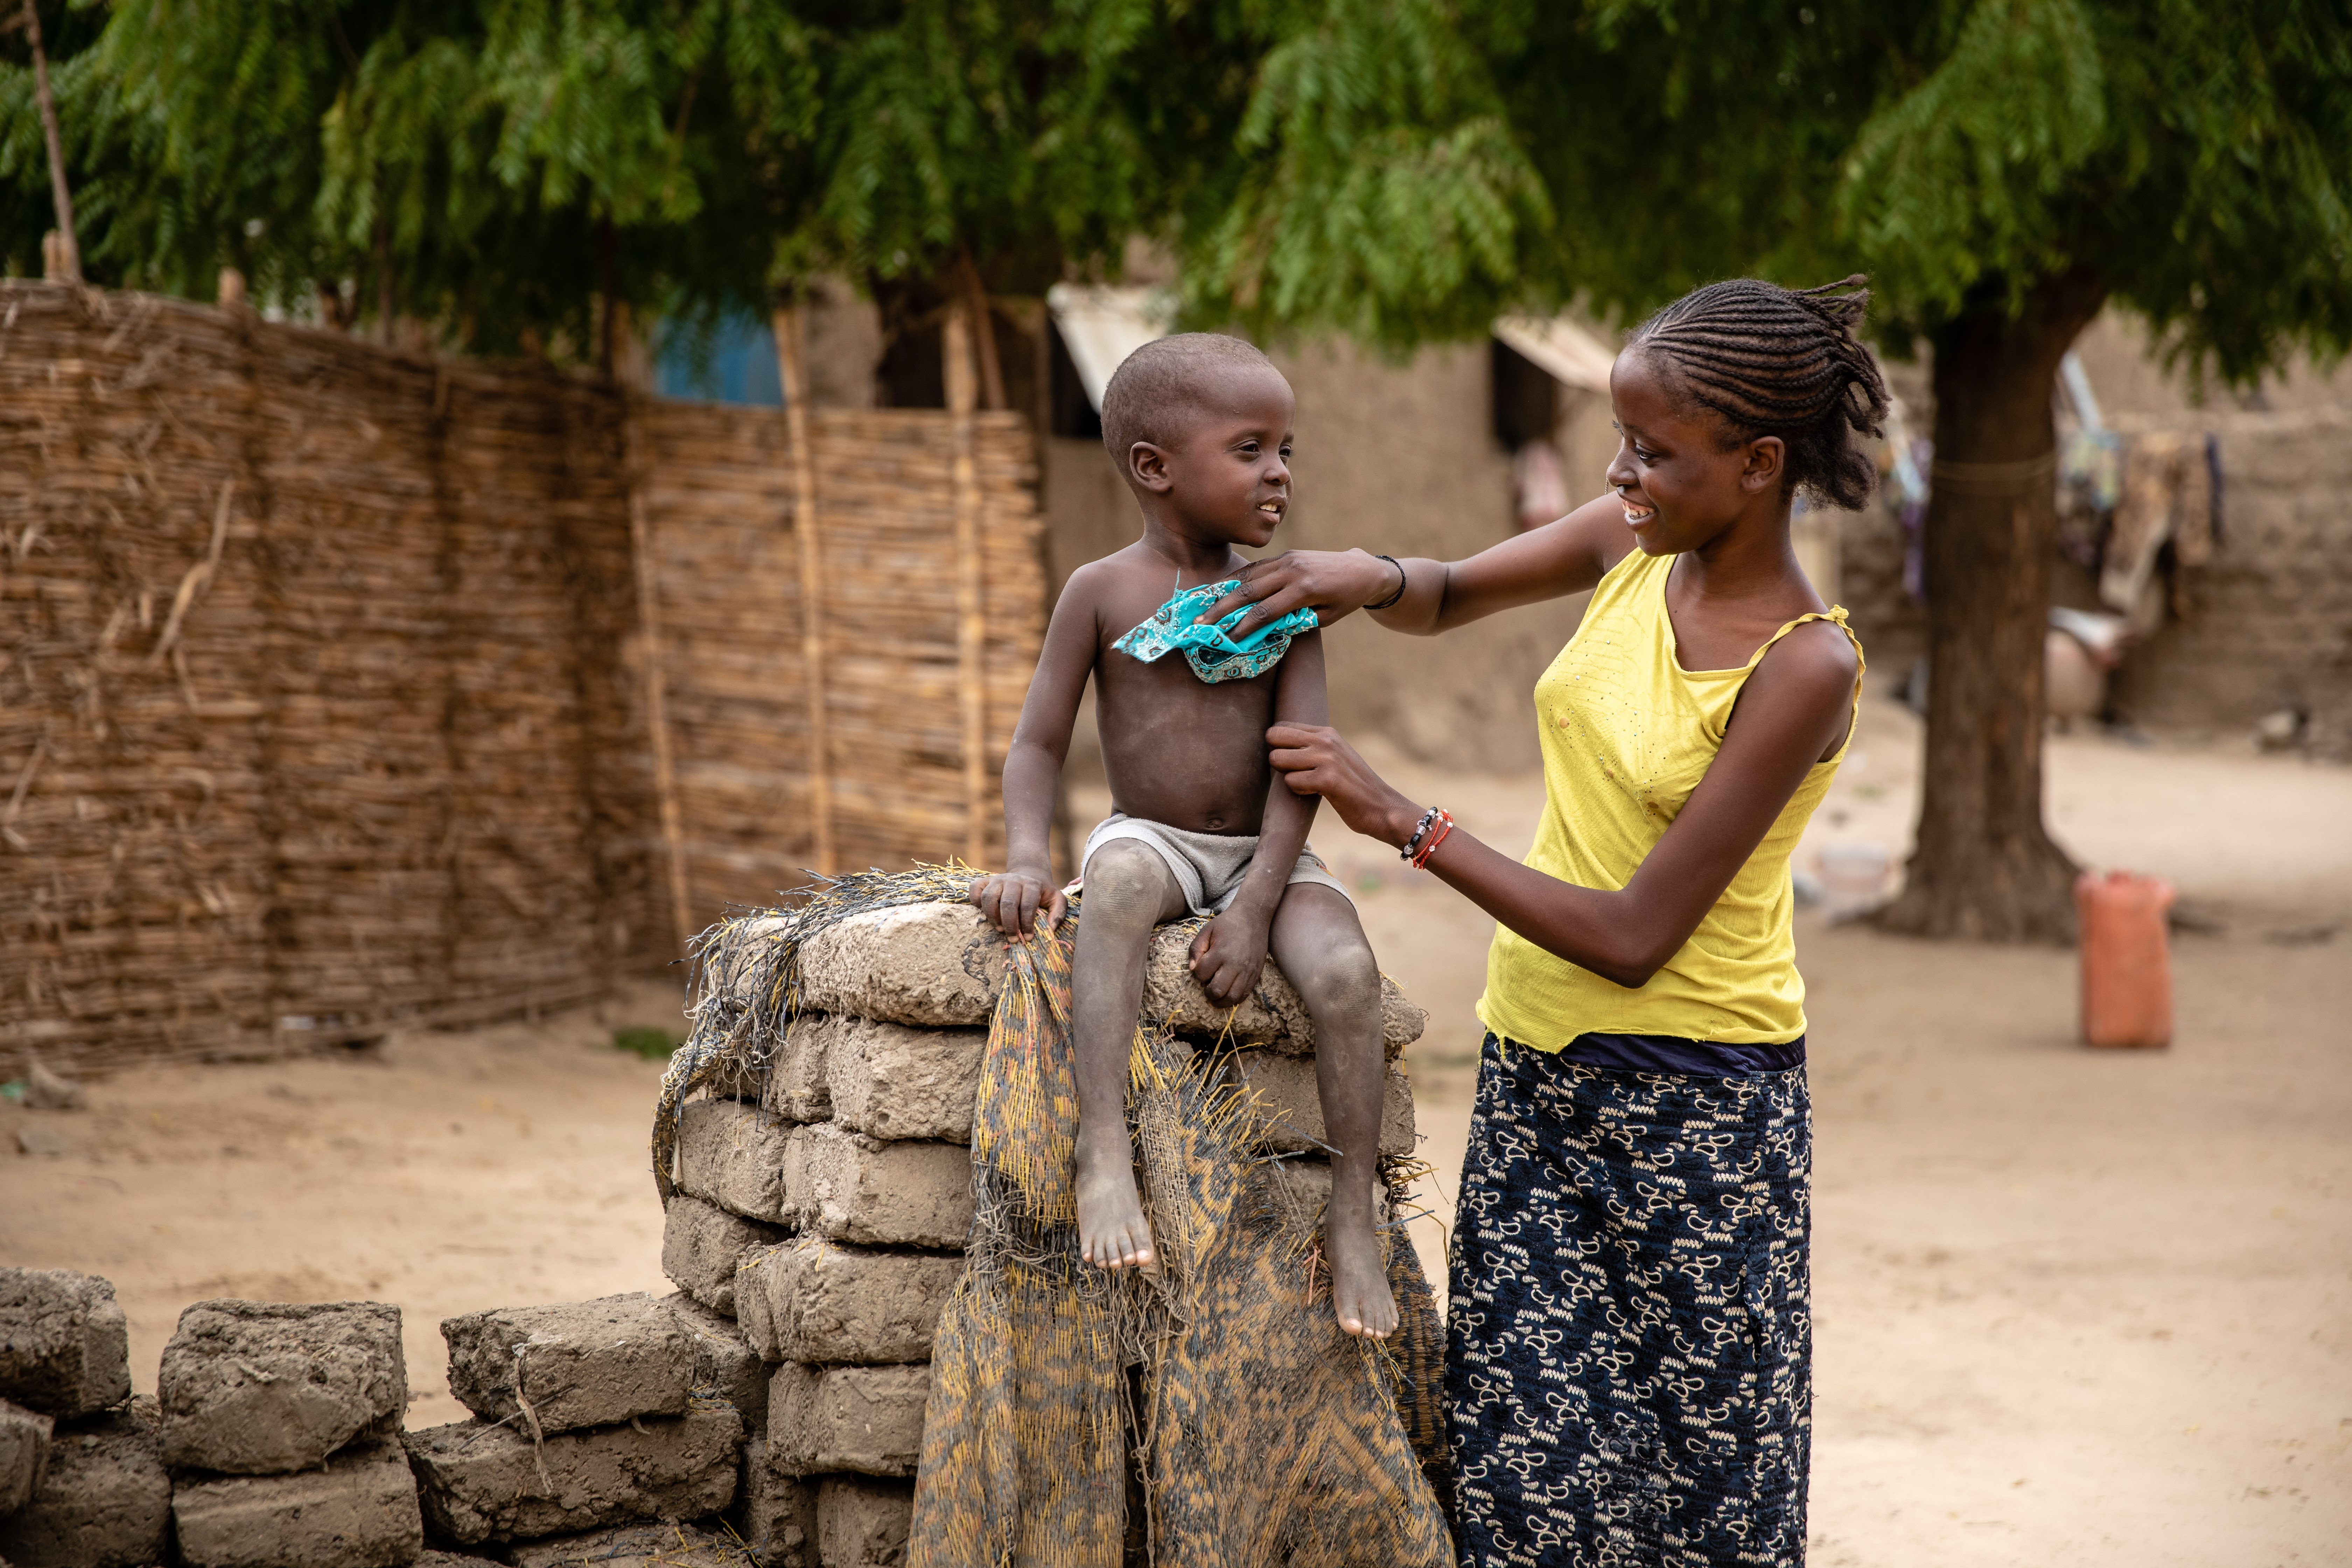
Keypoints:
pixel 2072 1308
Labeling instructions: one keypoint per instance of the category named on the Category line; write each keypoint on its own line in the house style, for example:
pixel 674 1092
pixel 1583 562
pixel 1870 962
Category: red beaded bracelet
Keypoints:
pixel 1444 826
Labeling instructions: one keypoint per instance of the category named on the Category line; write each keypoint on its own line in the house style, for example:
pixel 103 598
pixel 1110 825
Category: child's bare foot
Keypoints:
pixel 1112 1231
pixel 1361 1298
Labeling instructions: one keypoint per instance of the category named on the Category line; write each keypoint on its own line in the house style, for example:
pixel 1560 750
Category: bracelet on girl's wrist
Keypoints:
pixel 1437 837
pixel 1419 829
pixel 1393 598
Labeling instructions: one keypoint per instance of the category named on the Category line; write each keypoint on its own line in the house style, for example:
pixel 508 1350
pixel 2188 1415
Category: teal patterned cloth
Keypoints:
pixel 1207 649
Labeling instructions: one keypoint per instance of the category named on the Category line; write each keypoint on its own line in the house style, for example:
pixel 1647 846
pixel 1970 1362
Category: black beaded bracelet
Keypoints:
pixel 1419 829
pixel 1393 598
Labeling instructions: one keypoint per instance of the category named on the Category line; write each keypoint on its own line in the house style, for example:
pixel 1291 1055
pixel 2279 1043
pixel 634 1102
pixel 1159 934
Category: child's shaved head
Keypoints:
pixel 1156 387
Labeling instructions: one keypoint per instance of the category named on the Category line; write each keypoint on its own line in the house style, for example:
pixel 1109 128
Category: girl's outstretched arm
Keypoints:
pixel 1792 713
pixel 1564 557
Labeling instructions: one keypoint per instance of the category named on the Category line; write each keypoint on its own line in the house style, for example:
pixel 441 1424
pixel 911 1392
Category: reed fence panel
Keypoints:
pixel 324 693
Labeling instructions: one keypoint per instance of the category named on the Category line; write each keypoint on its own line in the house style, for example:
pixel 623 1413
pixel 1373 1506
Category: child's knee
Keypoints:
pixel 1125 884
pixel 1339 975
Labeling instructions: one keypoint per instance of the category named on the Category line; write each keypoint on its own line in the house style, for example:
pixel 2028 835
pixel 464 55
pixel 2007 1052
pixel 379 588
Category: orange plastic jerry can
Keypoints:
pixel 2126 958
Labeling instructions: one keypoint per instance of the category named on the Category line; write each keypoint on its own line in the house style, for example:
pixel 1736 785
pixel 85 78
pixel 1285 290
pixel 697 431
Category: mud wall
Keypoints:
pixel 2266 624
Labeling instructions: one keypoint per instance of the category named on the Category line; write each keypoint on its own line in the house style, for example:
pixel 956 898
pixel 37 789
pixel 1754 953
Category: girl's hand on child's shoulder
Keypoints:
pixel 1012 900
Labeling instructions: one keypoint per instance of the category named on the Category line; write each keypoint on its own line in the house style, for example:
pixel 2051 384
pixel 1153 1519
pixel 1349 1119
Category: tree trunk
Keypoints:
pixel 1984 867
pixel 914 306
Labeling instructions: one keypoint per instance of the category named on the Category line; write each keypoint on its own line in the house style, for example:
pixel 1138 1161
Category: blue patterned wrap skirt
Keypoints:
pixel 1630 1335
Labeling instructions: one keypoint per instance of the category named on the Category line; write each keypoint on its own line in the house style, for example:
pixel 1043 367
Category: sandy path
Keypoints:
pixel 2072 1309
pixel 2076 1308
pixel 448 1172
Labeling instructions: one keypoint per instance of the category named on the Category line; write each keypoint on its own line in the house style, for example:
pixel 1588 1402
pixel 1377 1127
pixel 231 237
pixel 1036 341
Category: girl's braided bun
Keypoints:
pixel 1779 362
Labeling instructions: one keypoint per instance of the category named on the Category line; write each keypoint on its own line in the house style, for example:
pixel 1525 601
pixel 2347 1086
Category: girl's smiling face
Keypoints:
pixel 1679 481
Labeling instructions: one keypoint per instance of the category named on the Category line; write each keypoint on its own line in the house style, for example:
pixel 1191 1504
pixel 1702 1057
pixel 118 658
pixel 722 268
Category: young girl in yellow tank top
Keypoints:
pixel 1630 1353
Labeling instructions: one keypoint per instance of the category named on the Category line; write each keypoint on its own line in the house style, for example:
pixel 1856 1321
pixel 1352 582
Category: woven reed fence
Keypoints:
pixel 328 676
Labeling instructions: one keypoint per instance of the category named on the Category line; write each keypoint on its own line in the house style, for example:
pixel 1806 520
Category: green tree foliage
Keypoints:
pixel 497 163
pixel 492 165
pixel 1396 168
pixel 2198 158
pixel 1375 185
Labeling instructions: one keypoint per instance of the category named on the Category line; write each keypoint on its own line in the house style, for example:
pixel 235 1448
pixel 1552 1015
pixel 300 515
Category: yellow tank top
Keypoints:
pixel 1627 733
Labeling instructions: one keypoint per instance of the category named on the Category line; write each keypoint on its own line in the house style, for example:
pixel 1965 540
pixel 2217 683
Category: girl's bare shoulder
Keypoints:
pixel 1813 669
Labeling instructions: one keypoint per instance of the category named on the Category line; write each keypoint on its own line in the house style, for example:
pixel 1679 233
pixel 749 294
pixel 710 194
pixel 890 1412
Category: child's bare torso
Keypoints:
pixel 1177 749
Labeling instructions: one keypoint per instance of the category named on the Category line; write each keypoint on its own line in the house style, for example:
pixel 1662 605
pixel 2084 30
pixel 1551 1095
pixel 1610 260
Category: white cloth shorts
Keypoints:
pixel 1209 867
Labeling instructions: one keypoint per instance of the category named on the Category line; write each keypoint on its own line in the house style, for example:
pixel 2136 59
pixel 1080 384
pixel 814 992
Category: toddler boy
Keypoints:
pixel 1200 427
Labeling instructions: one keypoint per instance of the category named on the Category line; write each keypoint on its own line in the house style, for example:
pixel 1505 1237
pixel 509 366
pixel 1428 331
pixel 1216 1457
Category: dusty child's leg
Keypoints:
pixel 1128 889
pixel 1321 947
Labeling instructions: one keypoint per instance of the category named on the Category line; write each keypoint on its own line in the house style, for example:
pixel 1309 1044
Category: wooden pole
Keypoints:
pixel 984 335
pixel 971 698
pixel 657 708
pixel 791 369
pixel 608 287
pixel 69 258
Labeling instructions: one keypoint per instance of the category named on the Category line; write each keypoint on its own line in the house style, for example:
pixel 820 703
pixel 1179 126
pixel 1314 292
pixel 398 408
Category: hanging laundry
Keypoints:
pixel 2197 529
pixel 2213 468
pixel 2167 496
pixel 1912 465
pixel 2090 475
pixel 1905 460
pixel 2091 464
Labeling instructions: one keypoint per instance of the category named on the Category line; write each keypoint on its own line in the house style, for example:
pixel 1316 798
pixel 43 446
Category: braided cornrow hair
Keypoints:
pixel 1780 362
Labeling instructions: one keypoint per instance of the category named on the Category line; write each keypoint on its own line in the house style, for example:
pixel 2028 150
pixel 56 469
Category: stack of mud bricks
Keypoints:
pixel 823 1205
pixel 773 1408
pixel 82 1481
pixel 592 1418
pixel 274 1436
